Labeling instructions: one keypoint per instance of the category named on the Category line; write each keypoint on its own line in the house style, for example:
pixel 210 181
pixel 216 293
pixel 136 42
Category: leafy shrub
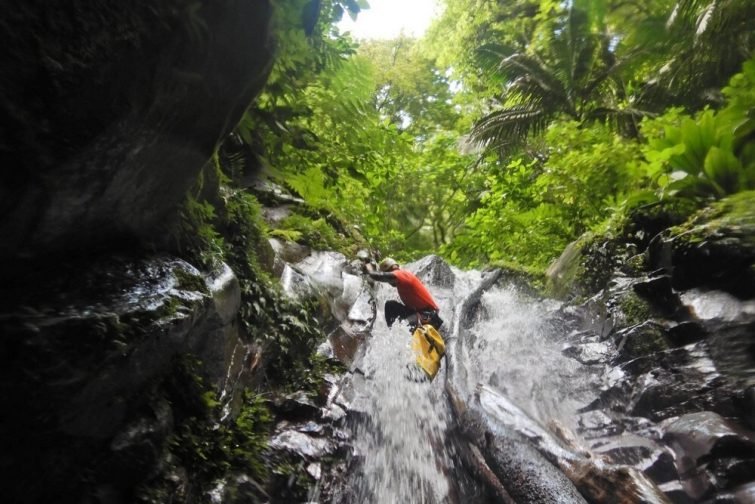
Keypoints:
pixel 196 238
pixel 205 446
pixel 286 327
pixel 225 224
pixel 533 208
pixel 317 233
pixel 711 154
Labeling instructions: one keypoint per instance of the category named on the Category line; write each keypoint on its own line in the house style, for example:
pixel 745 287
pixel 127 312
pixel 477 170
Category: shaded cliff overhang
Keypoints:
pixel 109 111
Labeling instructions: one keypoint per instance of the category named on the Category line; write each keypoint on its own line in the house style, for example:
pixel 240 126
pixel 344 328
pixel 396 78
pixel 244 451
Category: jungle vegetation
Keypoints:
pixel 508 131
pixel 510 128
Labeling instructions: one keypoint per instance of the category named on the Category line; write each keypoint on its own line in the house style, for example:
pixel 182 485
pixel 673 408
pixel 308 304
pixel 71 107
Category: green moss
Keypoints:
pixel 204 446
pixel 637 264
pixel 528 276
pixel 189 281
pixel 138 322
pixel 248 436
pixel 740 206
pixel 314 232
pixel 732 216
pixel 716 247
pixel 309 375
pixel 582 269
pixel 643 218
pixel 587 263
pixel 210 449
pixel 635 309
pixel 196 238
pixel 291 482
pixel 644 340
pixel 168 309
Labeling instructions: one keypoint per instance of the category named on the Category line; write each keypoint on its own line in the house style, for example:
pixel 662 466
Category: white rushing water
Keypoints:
pixel 516 349
pixel 403 440
pixel 403 444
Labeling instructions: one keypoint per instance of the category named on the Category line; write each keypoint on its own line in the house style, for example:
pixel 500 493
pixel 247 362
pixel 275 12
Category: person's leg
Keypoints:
pixel 394 310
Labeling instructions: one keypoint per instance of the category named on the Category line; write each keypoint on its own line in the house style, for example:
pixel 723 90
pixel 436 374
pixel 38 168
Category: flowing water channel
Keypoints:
pixel 402 439
pixel 535 401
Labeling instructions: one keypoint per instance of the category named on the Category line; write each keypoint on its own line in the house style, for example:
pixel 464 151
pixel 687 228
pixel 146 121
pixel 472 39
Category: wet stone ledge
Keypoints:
pixel 82 357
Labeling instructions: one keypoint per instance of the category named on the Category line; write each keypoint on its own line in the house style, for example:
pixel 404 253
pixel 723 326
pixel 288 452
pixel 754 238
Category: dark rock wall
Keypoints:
pixel 91 377
pixel 110 109
pixel 673 329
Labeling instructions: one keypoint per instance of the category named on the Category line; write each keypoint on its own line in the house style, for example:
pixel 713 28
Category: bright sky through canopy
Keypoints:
pixel 386 18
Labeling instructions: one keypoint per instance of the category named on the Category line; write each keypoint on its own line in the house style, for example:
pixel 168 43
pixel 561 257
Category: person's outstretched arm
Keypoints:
pixel 380 276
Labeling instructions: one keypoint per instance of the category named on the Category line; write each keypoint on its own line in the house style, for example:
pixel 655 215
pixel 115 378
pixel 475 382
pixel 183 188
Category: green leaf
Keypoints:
pixel 693 140
pixel 690 186
pixel 744 133
pixel 723 169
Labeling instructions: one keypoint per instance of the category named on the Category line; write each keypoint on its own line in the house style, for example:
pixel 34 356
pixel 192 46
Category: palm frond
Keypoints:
pixel 607 74
pixel 625 120
pixel 489 56
pixel 507 128
pixel 533 80
pixel 709 41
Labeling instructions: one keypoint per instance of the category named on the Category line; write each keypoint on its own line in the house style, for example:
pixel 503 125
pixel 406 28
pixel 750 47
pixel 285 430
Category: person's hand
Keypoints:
pixel 368 266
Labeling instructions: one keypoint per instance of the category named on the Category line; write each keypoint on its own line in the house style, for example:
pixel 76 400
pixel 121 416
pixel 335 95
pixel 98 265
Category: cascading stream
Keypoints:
pixel 403 436
pixel 535 401
pixel 516 348
pixel 512 347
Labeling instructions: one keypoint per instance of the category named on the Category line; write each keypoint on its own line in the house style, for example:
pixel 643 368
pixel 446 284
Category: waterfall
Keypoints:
pixel 534 402
pixel 402 440
pixel 516 348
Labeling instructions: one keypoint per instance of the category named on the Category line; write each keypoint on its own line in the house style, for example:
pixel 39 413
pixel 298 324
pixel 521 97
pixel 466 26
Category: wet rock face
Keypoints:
pixel 81 365
pixel 715 249
pixel 707 439
pixel 672 334
pixel 435 271
pixel 348 307
pixel 311 439
pixel 110 110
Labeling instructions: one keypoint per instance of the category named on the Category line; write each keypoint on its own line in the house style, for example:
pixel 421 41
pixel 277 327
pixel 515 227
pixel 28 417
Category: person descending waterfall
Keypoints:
pixel 418 305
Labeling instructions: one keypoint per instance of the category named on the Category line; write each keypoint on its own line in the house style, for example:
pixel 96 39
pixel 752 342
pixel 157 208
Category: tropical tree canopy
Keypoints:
pixel 510 128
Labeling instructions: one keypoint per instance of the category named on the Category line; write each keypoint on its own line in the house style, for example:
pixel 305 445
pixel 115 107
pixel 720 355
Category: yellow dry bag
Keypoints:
pixel 429 346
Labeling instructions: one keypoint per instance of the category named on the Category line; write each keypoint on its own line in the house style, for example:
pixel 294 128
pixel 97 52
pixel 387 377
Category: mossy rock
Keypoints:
pixel 583 268
pixel 715 248
pixel 641 340
pixel 634 309
pixel 190 280
pixel 529 280
pixel 641 224
pixel 636 265
pixel 318 233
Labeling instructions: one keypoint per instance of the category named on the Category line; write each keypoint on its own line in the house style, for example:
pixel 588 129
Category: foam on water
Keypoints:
pixel 517 349
pixel 403 441
pixel 514 347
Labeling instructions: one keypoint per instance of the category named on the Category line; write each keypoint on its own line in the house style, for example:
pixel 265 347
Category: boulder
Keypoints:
pixel 640 340
pixel 129 101
pixel 701 437
pixel 83 367
pixel 713 249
